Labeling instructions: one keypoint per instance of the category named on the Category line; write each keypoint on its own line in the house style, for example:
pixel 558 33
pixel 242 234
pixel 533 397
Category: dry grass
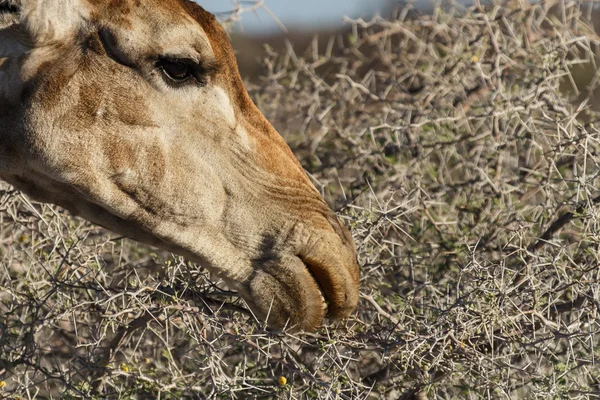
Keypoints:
pixel 469 180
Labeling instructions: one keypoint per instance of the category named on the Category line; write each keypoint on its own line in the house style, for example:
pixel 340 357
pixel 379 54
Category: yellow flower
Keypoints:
pixel 474 59
pixel 2 385
pixel 282 380
pixel 124 367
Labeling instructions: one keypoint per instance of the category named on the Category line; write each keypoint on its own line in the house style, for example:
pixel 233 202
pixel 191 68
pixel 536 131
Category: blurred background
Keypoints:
pixel 294 14
pixel 270 17
pixel 262 27
pixel 258 27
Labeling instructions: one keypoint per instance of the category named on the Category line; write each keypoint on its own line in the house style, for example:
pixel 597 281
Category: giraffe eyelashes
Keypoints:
pixel 177 71
pixel 180 71
pixel 184 67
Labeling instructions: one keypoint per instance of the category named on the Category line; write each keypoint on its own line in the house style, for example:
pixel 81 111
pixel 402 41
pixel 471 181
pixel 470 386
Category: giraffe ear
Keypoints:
pixel 10 6
pixel 46 20
pixel 9 13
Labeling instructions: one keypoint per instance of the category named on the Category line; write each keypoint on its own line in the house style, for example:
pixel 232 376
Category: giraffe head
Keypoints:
pixel 133 115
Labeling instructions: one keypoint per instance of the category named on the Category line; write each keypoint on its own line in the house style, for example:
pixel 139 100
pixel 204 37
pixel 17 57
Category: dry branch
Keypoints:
pixel 451 143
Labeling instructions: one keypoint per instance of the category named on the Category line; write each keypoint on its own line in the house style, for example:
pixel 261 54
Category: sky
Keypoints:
pixel 298 13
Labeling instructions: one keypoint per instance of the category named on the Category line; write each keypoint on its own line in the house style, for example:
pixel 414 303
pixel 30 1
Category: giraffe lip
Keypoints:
pixel 325 302
pixel 335 271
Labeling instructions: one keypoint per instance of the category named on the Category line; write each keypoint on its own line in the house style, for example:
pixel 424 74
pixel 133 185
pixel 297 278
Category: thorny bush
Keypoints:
pixel 461 149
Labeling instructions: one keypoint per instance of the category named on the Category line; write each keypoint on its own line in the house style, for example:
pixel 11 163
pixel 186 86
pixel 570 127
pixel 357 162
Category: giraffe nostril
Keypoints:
pixel 340 229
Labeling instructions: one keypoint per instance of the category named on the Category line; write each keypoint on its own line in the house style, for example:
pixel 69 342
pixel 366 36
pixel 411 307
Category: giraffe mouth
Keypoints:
pixel 334 285
pixel 311 268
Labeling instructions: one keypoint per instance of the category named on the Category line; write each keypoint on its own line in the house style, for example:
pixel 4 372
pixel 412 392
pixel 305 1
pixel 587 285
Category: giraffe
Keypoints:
pixel 132 114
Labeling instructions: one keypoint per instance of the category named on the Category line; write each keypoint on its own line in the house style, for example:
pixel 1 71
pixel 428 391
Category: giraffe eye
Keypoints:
pixel 177 71
pixel 183 71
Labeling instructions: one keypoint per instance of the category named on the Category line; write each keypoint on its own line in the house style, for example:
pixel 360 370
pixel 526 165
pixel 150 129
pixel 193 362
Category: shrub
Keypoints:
pixel 453 147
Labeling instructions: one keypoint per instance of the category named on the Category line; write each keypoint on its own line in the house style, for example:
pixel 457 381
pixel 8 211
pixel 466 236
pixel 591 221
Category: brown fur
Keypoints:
pixel 195 168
